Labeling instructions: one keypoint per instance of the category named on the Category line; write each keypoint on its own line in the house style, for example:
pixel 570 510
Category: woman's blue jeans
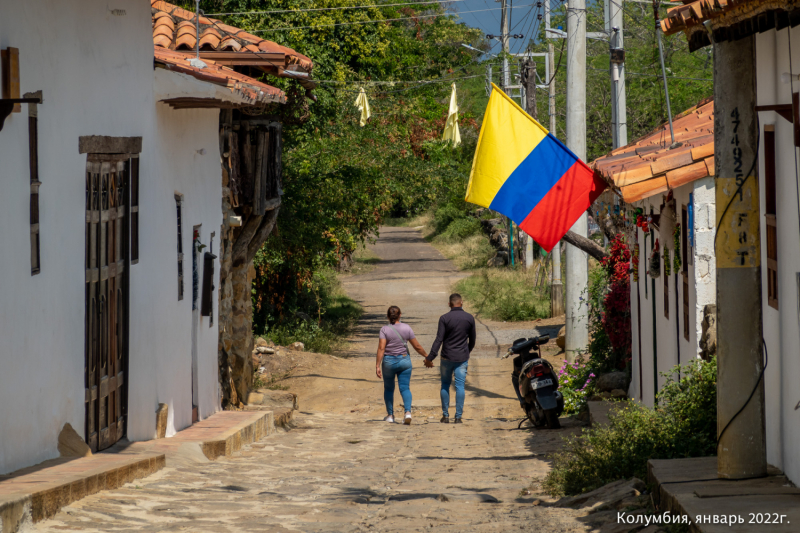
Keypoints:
pixel 448 370
pixel 400 366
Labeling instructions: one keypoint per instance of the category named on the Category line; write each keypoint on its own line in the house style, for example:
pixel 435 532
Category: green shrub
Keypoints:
pixel 682 425
pixel 461 228
pixel 444 215
pixel 506 294
pixel 328 316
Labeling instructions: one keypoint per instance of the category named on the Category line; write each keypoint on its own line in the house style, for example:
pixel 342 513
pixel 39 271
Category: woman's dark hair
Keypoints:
pixel 393 314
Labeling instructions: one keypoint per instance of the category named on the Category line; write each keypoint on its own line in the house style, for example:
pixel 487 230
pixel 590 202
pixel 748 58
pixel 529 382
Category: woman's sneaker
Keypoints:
pixel 407 419
pixel 389 418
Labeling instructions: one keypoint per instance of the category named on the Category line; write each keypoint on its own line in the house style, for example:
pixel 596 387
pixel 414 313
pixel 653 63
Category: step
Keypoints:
pixel 38 492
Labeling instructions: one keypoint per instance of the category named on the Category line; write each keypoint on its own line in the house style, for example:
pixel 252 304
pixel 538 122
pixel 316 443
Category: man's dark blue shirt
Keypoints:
pixel 455 336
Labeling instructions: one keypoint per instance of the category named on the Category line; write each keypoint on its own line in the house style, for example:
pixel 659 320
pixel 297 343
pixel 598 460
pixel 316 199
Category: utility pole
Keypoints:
pixel 504 42
pixel 577 325
pixel 619 113
pixel 741 453
pixel 528 81
pixel 556 288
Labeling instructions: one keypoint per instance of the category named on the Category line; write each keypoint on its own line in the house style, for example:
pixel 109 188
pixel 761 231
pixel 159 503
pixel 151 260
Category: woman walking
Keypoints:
pixel 394 359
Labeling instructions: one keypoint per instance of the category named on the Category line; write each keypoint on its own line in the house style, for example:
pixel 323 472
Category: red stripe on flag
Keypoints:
pixel 569 198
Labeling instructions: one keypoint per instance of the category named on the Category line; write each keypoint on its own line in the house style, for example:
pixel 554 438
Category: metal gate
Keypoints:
pixel 107 261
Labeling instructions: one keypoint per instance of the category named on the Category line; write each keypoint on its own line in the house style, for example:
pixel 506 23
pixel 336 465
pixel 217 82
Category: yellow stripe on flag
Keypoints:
pixel 508 135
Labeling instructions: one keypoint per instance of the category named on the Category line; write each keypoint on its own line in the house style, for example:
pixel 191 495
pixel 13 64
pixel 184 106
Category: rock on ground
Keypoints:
pixel 613 380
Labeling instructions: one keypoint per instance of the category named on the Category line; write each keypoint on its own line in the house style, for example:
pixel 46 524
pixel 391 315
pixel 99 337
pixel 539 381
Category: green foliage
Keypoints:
pixel 601 352
pixel 461 228
pixel 689 76
pixel 444 215
pixel 575 383
pixel 319 314
pixel 682 425
pixel 505 294
pixel 341 179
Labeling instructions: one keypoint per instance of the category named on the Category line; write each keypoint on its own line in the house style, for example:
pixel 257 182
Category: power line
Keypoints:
pixel 378 20
pixel 421 83
pixel 653 75
pixel 325 8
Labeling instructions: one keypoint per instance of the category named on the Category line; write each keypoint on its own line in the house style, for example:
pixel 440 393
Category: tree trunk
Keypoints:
pixel 586 245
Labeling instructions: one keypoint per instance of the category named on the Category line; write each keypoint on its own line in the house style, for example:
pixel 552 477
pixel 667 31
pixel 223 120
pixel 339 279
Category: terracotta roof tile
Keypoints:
pixel 647 166
pixel 254 91
pixel 638 191
pixel 218 37
pixel 687 174
pixel 710 165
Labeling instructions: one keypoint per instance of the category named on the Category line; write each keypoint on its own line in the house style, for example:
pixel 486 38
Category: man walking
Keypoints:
pixel 456 338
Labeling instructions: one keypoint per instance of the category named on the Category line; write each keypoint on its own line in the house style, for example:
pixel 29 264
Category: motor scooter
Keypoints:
pixel 535 382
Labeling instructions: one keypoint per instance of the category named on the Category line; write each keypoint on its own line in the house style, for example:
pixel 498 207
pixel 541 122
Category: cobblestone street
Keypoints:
pixel 340 467
pixel 342 473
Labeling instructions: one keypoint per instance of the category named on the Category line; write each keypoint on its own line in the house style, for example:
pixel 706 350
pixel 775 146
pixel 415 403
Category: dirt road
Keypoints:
pixel 414 276
pixel 342 469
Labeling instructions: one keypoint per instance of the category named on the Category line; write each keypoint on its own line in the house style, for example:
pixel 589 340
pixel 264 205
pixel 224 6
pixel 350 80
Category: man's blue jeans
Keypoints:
pixel 448 370
pixel 400 366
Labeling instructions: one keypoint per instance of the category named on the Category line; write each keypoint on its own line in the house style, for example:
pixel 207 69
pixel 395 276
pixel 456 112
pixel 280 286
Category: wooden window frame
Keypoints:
pixel 133 219
pixel 685 268
pixel 179 213
pixel 33 153
pixel 665 257
pixel 771 202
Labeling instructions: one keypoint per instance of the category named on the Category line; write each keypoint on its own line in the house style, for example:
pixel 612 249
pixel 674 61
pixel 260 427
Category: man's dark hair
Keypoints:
pixel 455 298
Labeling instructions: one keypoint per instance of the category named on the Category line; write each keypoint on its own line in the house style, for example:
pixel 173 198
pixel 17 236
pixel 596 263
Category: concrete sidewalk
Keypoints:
pixel 690 487
pixel 38 492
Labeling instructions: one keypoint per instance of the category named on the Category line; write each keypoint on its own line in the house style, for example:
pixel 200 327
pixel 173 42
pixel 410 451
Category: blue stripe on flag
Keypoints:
pixel 533 179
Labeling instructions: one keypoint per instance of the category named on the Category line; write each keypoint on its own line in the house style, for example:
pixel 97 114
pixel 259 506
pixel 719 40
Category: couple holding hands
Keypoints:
pixel 456 338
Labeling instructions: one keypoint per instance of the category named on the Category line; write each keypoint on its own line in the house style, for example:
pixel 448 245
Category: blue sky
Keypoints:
pixel 487 18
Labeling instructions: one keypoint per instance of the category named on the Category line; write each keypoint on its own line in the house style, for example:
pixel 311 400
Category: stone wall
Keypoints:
pixel 235 315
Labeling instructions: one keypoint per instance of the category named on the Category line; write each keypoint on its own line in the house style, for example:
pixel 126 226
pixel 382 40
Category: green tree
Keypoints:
pixel 341 179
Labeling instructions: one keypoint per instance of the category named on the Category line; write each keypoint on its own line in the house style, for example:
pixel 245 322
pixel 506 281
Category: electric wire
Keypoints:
pixel 421 83
pixel 276 11
pixel 652 75
pixel 796 171
pixel 752 393
pixel 377 20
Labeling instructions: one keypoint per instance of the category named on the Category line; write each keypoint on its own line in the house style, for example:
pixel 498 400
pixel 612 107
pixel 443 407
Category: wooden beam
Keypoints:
pixel 100 144
pixel 277 59
pixel 10 67
pixel 784 110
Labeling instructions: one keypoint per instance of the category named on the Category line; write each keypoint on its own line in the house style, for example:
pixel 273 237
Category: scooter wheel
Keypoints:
pixel 552 419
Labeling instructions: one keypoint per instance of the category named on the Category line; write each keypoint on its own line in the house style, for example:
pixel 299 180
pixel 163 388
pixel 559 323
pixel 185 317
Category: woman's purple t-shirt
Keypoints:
pixel 395 346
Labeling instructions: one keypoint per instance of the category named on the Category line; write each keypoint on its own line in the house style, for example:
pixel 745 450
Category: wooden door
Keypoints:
pixel 107 197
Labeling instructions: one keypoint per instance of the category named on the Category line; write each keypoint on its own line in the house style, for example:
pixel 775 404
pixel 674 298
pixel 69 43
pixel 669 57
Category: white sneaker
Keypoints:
pixel 407 419
pixel 389 418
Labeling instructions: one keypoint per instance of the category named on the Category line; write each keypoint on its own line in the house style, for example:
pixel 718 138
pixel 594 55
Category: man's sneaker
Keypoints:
pixel 445 420
pixel 407 419
pixel 389 418
pixel 457 421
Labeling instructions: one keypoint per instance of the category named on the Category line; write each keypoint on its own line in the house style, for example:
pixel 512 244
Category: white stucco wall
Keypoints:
pixel 782 326
pixel 704 270
pixel 672 347
pixel 96 72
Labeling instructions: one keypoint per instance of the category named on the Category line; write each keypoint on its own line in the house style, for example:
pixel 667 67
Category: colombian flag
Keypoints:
pixel 525 173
